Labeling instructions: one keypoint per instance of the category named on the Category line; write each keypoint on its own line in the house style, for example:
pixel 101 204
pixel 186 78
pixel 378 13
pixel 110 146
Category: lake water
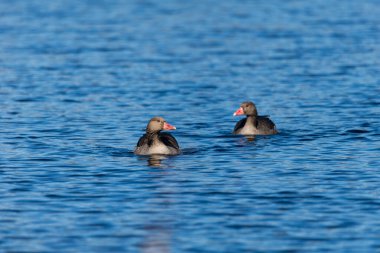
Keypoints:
pixel 79 81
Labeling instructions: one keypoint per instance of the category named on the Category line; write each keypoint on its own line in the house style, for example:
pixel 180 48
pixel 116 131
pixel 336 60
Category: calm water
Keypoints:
pixel 80 80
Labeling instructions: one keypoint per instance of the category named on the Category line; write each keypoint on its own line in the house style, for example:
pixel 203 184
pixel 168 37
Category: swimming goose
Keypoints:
pixel 253 124
pixel 156 142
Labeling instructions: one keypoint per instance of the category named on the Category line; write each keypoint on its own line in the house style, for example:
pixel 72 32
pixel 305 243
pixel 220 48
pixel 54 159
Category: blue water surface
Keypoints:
pixel 79 81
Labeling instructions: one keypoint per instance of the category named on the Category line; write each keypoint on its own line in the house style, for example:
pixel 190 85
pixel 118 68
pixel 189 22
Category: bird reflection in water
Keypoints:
pixel 157 240
pixel 161 213
pixel 155 160
pixel 250 138
pixel 246 138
